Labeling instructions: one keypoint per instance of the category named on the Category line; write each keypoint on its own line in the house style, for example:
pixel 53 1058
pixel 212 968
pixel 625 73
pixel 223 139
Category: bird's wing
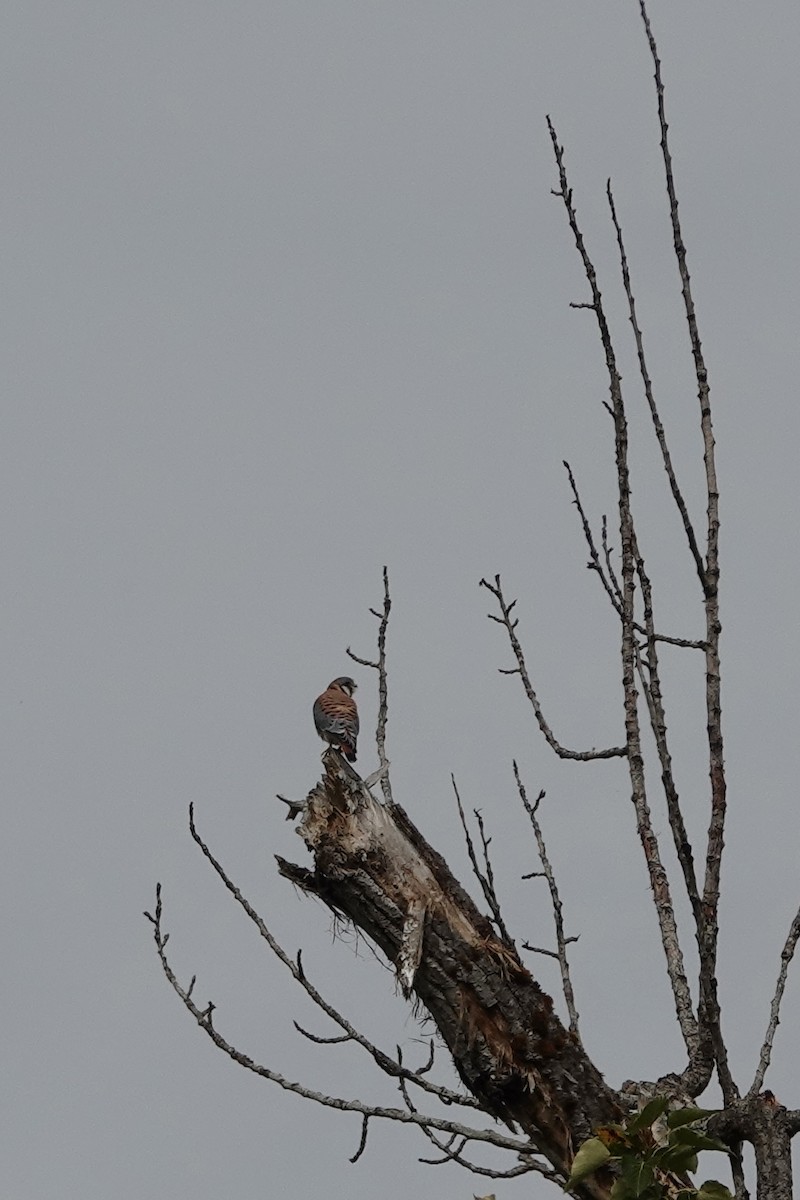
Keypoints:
pixel 335 715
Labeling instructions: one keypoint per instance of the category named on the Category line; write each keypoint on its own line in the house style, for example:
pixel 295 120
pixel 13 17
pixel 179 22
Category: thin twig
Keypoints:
pixel 612 575
pixel 322 1041
pixel 594 563
pixel 489 1137
pixel 383 688
pixel 448 1154
pixel 558 912
pixel 362 1145
pixel 485 880
pixel 607 576
pixel 510 624
pixel 661 436
pixel 489 872
pixel 548 953
pixel 684 643
pixel 787 954
pixel 295 807
pixel 426 1066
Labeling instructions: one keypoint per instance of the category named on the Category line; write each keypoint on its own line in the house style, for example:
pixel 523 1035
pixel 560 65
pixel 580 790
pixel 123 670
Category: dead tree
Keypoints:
pixel 517 1063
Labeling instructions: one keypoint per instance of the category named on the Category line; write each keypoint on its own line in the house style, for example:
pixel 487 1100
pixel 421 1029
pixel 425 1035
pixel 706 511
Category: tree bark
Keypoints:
pixel 373 866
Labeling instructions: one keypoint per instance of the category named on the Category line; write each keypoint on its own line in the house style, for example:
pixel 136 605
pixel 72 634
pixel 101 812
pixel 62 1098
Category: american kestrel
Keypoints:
pixel 336 716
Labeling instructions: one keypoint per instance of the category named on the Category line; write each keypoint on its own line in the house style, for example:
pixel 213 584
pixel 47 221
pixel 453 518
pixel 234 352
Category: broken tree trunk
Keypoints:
pixel 373 866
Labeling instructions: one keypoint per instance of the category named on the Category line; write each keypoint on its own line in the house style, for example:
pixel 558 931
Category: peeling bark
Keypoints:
pixel 373 866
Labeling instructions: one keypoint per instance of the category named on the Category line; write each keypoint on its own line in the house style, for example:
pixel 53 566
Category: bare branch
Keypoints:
pixel 651 685
pixel 659 881
pixel 426 1066
pixel 711 574
pixel 322 1041
pixel 448 1154
pixel 295 968
pixel 373 866
pixel 383 690
pixel 510 625
pixel 558 912
pixel 787 954
pixel 612 575
pixel 362 662
pixel 362 1145
pixel 548 953
pixel 489 872
pixel 490 1137
pixel 709 1003
pixel 661 436
pixel 684 643
pixel 594 563
pixel 294 807
pixel 485 880
pixel 607 576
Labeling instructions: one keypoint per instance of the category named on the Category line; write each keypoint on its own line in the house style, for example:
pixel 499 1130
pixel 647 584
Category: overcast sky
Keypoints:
pixel 286 297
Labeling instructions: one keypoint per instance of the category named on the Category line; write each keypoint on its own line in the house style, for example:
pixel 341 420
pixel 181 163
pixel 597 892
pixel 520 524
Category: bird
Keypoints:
pixel 336 716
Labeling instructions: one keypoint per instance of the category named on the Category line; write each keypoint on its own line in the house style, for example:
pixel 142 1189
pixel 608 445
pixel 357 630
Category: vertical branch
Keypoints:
pixel 659 881
pixel 383 690
pixel 658 723
pixel 558 914
pixel 709 1007
pixel 383 687
pixel 658 426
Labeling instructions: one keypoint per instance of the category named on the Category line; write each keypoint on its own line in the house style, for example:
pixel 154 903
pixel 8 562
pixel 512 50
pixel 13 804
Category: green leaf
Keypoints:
pixel 651 1112
pixel 677 1158
pixel 697 1140
pixel 712 1189
pixel 637 1173
pixel 620 1190
pixel 686 1116
pixel 591 1156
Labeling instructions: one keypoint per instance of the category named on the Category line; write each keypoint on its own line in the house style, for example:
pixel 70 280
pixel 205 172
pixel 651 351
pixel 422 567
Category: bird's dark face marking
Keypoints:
pixel 343 684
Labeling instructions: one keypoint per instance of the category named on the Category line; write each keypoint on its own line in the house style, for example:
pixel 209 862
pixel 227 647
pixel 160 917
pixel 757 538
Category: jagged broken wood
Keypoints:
pixel 373 867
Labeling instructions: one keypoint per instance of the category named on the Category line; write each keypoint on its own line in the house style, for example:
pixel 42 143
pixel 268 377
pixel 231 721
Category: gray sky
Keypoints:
pixel 286 298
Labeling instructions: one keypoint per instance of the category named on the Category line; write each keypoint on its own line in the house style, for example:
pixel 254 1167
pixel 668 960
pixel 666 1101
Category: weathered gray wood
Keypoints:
pixel 373 866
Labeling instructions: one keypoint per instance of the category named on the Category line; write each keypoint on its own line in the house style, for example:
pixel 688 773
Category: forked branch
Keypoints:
pixel 607 575
pixel 391 1067
pixel 509 623
pixel 485 874
pixel 204 1018
pixel 658 426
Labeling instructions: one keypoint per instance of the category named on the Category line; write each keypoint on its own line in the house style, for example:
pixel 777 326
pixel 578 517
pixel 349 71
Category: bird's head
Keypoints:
pixel 344 684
